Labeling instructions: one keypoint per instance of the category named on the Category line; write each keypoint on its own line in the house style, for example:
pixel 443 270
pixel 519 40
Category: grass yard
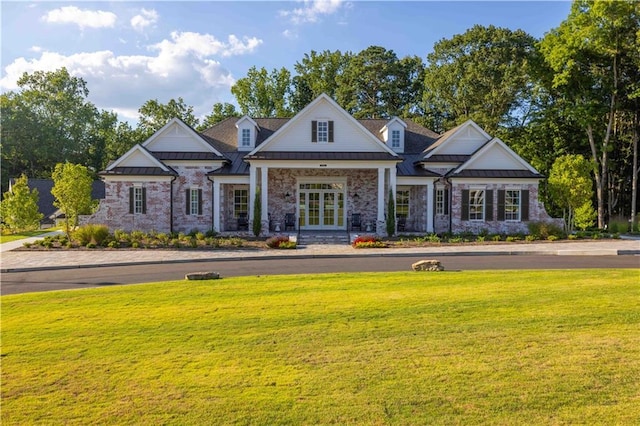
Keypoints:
pixel 506 347
pixel 22 235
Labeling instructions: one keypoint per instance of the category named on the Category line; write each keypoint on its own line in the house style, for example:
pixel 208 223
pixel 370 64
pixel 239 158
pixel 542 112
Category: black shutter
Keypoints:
pixel 330 131
pixel 488 202
pixel 314 131
pixel 131 202
pixel 524 214
pixel 144 200
pixel 200 201
pixel 501 194
pixel 188 204
pixel 465 205
pixel 446 201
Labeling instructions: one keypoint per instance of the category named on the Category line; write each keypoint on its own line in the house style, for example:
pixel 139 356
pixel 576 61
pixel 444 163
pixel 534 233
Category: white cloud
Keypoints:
pixel 290 34
pixel 312 11
pixel 82 18
pixel 186 65
pixel 144 19
pixel 35 49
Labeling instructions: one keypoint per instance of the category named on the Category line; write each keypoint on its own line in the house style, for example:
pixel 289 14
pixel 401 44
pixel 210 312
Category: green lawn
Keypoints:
pixel 506 347
pixel 22 235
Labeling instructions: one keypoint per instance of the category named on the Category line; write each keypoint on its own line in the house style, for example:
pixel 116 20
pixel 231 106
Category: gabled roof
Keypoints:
pixel 503 160
pixel 138 161
pixel 323 98
pixel 201 142
pixel 249 119
pixel 393 120
pixel 450 134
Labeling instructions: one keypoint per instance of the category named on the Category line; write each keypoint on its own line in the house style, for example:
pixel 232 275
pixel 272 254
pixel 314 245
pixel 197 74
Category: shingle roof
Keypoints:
pixel 447 158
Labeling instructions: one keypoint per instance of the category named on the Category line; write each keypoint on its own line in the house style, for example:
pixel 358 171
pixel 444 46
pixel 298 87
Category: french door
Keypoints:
pixel 321 206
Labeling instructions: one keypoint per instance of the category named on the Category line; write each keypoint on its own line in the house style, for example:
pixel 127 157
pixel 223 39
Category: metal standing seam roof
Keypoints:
pixel 138 171
pixel 329 156
pixel 484 173
pixel 176 155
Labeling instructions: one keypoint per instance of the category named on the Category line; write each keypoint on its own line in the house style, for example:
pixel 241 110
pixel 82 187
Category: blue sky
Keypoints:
pixel 130 52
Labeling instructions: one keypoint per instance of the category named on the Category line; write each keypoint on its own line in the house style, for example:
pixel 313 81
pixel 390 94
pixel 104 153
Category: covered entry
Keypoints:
pixel 321 204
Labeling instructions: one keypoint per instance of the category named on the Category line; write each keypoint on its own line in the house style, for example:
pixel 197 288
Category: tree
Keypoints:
pixel 375 84
pixel 264 94
pixel 72 191
pixel 257 214
pixel 317 73
pixel 19 207
pixel 391 214
pixel 592 53
pixel 483 75
pixel 48 120
pixel 570 186
pixel 219 113
pixel 154 115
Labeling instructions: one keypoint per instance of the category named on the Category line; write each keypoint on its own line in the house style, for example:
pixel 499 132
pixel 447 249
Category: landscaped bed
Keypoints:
pixel 485 347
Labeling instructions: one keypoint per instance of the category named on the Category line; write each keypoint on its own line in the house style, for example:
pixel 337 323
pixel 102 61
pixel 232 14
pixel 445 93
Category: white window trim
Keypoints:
pixel 404 189
pixel 324 122
pixel 245 142
pixel 519 205
pixel 484 204
pixel 193 203
pixel 138 199
pixel 440 203
pixel 395 143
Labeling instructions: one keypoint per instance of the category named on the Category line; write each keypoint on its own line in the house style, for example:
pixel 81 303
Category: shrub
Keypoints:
pixel 496 238
pixel 91 245
pixel 572 237
pixel 456 239
pixel 544 229
pixel 113 244
pixel 618 225
pixel 480 239
pixel 280 242
pixel 368 241
pixel 27 245
pixel 530 238
pixel 91 233
pixel 553 238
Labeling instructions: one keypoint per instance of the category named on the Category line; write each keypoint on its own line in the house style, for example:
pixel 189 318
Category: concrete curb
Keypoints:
pixel 599 252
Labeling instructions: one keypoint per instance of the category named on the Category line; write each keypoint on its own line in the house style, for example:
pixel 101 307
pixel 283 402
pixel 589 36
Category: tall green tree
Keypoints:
pixel 154 115
pixel 264 94
pixel 317 73
pixel 19 207
pixel 591 53
pixel 219 112
pixel 376 84
pixel 483 74
pixel 47 120
pixel 570 186
pixel 72 191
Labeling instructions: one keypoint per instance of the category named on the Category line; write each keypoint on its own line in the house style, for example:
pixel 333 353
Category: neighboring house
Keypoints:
pixel 45 199
pixel 322 168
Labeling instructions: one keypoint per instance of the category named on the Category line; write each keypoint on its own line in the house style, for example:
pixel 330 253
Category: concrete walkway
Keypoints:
pixel 39 260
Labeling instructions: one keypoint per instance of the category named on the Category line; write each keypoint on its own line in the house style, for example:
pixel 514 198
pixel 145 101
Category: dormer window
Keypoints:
pixel 246 137
pixel 395 139
pixel 322 131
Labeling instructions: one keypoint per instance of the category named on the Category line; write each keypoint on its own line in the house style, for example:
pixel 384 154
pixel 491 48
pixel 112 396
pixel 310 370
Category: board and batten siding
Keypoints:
pixel 466 142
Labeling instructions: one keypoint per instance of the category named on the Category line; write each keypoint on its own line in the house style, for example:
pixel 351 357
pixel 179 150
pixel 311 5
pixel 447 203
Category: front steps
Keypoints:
pixel 323 238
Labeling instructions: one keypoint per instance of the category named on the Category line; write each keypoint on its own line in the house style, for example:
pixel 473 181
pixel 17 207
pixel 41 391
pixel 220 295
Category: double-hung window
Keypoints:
pixel 194 201
pixel 322 131
pixel 402 202
pixel 395 139
pixel 512 205
pixel 240 202
pixel 442 202
pixel 246 137
pixel 137 200
pixel 476 204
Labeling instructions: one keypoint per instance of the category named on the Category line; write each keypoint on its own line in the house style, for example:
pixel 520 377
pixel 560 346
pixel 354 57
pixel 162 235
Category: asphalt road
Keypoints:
pixel 77 278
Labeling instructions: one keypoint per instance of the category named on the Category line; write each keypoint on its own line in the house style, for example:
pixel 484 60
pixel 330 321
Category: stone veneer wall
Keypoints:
pixel 113 210
pixel 537 212
pixel 191 177
pixel 361 182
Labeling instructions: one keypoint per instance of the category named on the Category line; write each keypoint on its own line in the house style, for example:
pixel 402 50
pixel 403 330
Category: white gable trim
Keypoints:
pixel 135 149
pixel 390 122
pixel 312 104
pixel 205 145
pixel 485 148
pixel 249 119
pixel 458 130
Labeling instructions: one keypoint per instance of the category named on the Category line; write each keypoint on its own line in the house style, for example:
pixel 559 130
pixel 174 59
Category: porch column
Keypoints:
pixel 216 206
pixel 264 193
pixel 381 173
pixel 252 190
pixel 430 206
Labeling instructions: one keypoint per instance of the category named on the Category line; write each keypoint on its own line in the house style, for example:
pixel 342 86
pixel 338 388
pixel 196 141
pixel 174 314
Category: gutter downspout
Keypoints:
pixel 212 201
pixel 171 205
